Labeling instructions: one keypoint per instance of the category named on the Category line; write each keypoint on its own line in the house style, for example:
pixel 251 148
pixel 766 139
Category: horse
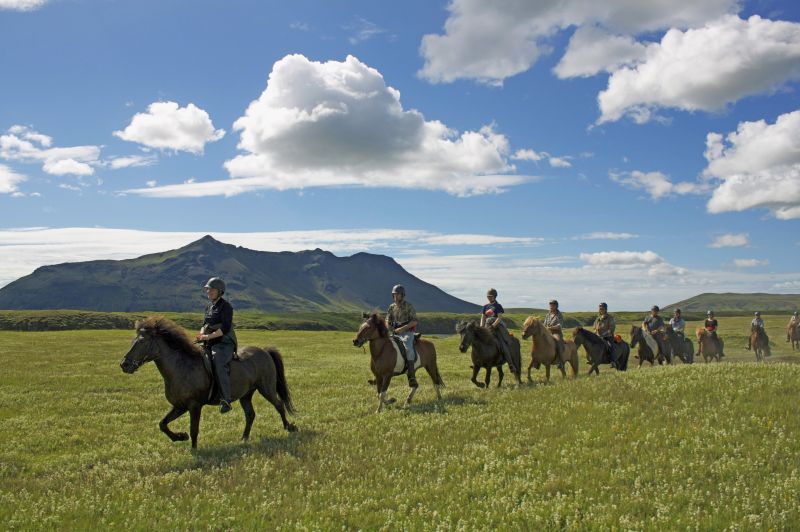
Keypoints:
pixel 385 360
pixel 187 382
pixel 597 352
pixel 760 344
pixel 645 353
pixel 707 346
pixel 543 349
pixel 680 346
pixel 793 335
pixel 485 352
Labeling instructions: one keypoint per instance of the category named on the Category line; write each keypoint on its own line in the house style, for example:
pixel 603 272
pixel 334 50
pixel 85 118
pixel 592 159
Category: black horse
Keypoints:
pixel 597 350
pixel 680 346
pixel 645 353
pixel 485 352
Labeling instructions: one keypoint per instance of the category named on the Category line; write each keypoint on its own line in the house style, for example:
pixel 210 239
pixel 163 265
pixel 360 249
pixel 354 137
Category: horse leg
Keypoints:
pixel 410 396
pixel 194 424
pixel 488 378
pixel 563 369
pixel 249 413
pixel 271 395
pixel 547 373
pixel 433 371
pixel 171 416
pixel 499 375
pixel 529 370
pixel 475 369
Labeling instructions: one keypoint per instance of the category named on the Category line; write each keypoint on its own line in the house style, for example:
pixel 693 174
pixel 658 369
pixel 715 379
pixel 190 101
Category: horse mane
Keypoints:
pixel 483 334
pixel 588 335
pixel 173 334
pixel 376 320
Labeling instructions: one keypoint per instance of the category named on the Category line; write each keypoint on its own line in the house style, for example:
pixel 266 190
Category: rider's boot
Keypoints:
pixel 412 375
pixel 507 355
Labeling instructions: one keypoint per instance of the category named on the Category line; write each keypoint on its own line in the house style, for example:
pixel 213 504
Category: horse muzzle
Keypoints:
pixel 462 348
pixel 128 366
pixel 358 342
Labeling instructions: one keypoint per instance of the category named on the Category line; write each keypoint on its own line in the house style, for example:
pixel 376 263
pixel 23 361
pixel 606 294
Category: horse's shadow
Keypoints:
pixel 214 456
pixel 440 407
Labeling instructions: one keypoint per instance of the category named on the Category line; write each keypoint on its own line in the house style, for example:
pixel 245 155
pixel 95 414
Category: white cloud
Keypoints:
pixel 28 146
pixel 534 156
pixel 132 161
pixel 9 180
pixel 21 5
pixel 656 184
pixel 151 183
pixel 339 124
pixel 606 235
pixel 167 126
pixel 750 263
pixel 363 30
pixel 490 41
pixel 759 166
pixel 730 240
pixel 527 155
pixel 592 50
pixel 302 26
pixel 655 264
pixel 705 68
pixel 559 162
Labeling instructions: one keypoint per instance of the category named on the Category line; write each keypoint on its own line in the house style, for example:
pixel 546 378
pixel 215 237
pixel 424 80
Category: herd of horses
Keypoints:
pixel 189 385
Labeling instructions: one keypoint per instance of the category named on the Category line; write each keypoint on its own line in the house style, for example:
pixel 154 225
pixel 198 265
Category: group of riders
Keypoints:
pixel 219 339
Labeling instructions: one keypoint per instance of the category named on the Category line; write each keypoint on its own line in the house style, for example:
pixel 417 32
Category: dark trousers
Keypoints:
pixel 504 340
pixel 221 356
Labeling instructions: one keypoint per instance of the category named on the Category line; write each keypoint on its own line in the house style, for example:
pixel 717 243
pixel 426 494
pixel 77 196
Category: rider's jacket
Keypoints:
pixel 678 325
pixel 554 320
pixel 711 325
pixel 757 323
pixel 491 311
pixel 219 315
pixel 605 326
pixel 401 313
pixel 654 323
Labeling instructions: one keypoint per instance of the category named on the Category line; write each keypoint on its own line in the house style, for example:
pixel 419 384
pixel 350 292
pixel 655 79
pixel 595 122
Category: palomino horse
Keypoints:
pixel 385 359
pixel 645 353
pixel 597 350
pixel 793 335
pixel 485 352
pixel 680 346
pixel 707 346
pixel 543 349
pixel 187 382
pixel 760 344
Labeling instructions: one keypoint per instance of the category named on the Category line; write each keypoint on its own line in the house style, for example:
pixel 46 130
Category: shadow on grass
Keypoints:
pixel 292 443
pixel 440 407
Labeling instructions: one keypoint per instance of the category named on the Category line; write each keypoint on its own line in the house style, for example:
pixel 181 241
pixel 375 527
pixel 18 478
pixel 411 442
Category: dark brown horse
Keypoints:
pixel 485 352
pixel 384 360
pixel 760 344
pixel 187 382
pixel 708 348
pixel 645 353
pixel 597 350
pixel 680 346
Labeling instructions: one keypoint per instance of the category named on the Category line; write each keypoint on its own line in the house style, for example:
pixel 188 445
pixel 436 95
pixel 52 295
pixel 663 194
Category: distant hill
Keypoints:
pixel 306 281
pixel 730 302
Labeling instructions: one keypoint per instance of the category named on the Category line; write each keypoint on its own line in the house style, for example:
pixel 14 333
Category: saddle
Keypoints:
pixel 401 364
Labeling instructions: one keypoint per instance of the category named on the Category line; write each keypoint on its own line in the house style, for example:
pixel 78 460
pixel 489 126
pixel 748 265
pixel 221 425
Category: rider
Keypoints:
pixel 401 318
pixel 677 323
pixel 492 316
pixel 604 327
pixel 553 322
pixel 711 325
pixel 219 338
pixel 794 322
pixel 757 325
pixel 654 324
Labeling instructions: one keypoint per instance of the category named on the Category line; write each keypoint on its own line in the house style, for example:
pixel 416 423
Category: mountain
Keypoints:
pixel 306 281
pixel 730 302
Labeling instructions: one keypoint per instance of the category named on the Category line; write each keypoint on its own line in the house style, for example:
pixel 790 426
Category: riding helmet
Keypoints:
pixel 216 282
pixel 553 302
pixel 655 307
pixel 758 313
pixel 399 289
pixel 709 313
pixel 604 305
pixel 492 292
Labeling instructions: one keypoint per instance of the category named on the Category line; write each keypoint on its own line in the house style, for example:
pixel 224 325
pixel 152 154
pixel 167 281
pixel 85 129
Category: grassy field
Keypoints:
pixel 703 447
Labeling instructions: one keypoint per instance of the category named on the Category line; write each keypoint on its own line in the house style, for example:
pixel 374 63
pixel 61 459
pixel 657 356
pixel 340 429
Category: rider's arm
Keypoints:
pixel 410 325
pixel 483 319
pixel 498 319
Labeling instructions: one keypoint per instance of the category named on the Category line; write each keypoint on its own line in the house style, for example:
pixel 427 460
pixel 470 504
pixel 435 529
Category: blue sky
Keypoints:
pixel 634 155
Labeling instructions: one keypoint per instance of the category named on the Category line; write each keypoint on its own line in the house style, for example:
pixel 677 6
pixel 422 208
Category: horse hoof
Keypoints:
pixel 390 401
pixel 181 436
pixel 480 385
pixel 291 427
pixel 371 382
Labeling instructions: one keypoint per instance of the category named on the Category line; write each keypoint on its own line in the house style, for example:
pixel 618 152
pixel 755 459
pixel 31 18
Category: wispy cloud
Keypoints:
pixel 730 240
pixel 750 263
pixel 363 30
pixel 605 235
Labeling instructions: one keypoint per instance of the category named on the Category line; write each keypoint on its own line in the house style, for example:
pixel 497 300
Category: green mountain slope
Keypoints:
pixel 730 302
pixel 307 281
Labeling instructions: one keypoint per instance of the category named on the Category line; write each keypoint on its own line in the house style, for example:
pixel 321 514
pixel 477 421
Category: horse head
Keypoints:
pixel 531 326
pixel 144 348
pixel 371 329
pixel 465 329
pixel 577 335
pixel 636 335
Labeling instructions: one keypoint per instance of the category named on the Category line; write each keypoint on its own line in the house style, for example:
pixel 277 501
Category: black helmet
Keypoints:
pixel 758 313
pixel 399 289
pixel 655 307
pixel 709 313
pixel 216 282
pixel 677 311
pixel 492 292
pixel 604 305
pixel 553 302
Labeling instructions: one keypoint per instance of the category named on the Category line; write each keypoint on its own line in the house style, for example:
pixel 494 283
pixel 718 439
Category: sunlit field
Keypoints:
pixel 706 446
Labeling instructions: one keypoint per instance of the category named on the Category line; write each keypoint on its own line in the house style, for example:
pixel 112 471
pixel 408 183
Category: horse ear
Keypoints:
pixel 364 315
pixel 137 324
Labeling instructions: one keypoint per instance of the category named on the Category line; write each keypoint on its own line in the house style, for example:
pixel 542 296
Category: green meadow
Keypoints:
pixel 706 446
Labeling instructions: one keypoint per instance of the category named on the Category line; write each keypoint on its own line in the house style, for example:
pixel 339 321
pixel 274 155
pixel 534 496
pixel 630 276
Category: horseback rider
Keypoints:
pixel 794 322
pixel 604 327
pixel 219 338
pixel 677 323
pixel 492 316
pixel 654 325
pixel 401 320
pixel 711 325
pixel 756 326
pixel 553 322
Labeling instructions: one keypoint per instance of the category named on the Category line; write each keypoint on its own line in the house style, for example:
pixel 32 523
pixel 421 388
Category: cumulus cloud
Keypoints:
pixel 167 126
pixel 534 156
pixel 9 180
pixel 705 68
pixel 758 165
pixel 750 263
pixel 21 5
pixel 21 143
pixel 339 124
pixel 490 41
pixel 655 264
pixel 592 50
pixel 656 184
pixel 730 240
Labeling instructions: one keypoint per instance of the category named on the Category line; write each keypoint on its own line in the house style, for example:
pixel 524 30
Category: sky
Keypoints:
pixel 632 152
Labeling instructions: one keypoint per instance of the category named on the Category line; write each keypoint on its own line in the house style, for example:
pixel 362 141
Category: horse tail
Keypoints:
pixel 281 386
pixel 437 378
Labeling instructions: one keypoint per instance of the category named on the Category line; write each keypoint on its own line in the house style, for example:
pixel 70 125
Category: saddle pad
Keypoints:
pixel 400 362
pixel 651 343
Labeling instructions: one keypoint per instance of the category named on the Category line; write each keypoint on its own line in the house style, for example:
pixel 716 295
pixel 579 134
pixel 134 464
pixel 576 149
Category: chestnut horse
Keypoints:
pixel 187 381
pixel 543 349
pixel 760 344
pixel 707 346
pixel 384 358
pixel 793 335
